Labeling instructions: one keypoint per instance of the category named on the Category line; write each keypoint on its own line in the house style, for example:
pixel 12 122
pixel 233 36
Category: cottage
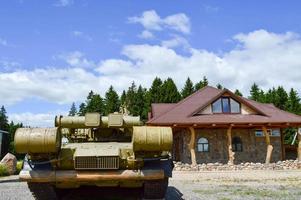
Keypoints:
pixel 215 125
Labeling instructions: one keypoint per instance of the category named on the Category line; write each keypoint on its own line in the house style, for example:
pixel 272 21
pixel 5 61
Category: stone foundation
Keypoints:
pixel 280 165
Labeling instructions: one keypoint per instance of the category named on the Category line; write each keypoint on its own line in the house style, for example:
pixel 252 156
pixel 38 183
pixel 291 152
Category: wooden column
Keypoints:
pixel 269 146
pixel 282 145
pixel 230 152
pixel 192 145
pixel 299 144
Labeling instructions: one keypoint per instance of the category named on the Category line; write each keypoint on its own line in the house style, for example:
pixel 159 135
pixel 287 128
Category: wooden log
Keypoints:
pixel 192 146
pixel 282 145
pixel 299 145
pixel 269 146
pixel 230 152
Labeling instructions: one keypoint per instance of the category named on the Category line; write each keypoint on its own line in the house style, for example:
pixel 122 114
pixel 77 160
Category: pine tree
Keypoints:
pixel 131 99
pixel 238 93
pixel 140 102
pixel 73 110
pixel 112 102
pixel 170 93
pixel 94 103
pixel 82 109
pixel 281 98
pixel 155 91
pixel 270 96
pixel 293 103
pixel 219 86
pixel 3 119
pixel 12 129
pixel 201 84
pixel 188 88
pixel 255 92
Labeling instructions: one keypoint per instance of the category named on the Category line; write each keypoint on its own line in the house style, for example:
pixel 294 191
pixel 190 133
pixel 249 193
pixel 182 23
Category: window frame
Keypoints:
pixel 203 145
pixel 270 132
pixel 222 106
pixel 234 145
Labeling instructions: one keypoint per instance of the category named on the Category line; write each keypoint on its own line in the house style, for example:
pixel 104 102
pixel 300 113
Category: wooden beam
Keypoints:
pixel 269 146
pixel 299 144
pixel 282 145
pixel 192 146
pixel 230 152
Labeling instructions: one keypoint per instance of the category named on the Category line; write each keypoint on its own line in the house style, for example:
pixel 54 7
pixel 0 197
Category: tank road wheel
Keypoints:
pixel 155 189
pixel 42 191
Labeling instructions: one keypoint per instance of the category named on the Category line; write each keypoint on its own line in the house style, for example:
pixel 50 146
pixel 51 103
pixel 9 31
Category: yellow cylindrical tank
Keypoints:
pixel 37 140
pixel 146 138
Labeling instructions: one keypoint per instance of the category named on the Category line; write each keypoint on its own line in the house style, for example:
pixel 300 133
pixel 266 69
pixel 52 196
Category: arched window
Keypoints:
pixel 203 145
pixel 236 144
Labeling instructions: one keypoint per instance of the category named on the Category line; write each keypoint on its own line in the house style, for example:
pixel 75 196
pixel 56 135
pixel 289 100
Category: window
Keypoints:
pixel 217 106
pixel 203 145
pixel 236 144
pixel 272 132
pixel 235 106
pixel 225 105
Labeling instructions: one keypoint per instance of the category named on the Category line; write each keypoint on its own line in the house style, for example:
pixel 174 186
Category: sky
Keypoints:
pixel 52 53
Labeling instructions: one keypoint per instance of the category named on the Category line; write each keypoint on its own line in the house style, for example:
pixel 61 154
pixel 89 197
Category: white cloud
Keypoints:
pixel 146 34
pixel 35 119
pixel 8 64
pixel 76 59
pixel 150 20
pixel 50 84
pixel 3 42
pixel 175 41
pixel 81 35
pixel 179 22
pixel 64 3
pixel 270 59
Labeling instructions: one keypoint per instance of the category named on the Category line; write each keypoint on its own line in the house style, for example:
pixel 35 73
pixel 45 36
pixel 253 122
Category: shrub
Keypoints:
pixel 3 170
pixel 19 166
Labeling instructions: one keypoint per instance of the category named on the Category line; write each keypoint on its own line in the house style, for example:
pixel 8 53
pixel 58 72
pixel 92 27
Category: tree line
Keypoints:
pixel 137 100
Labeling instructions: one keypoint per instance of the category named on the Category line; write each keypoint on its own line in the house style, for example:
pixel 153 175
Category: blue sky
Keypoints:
pixel 53 52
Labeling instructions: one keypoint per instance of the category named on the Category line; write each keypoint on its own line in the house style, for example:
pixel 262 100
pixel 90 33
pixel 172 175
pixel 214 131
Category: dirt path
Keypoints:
pixel 247 185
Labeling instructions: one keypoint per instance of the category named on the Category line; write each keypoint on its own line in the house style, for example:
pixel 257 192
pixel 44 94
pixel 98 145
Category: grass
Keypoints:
pixel 3 170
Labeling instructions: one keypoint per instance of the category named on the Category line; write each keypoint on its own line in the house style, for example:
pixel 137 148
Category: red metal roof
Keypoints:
pixel 184 112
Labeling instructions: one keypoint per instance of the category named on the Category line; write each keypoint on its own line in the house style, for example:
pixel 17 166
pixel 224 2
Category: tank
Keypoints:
pixel 114 150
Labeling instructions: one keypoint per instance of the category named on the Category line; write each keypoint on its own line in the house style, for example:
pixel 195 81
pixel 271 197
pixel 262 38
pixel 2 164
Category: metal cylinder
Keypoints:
pixel 70 122
pixel 146 138
pixel 37 140
pixel 85 122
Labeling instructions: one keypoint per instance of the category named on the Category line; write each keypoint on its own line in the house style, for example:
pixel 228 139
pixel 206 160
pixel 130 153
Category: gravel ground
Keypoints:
pixel 247 185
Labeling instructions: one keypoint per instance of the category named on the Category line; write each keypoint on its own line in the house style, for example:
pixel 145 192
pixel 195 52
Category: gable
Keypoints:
pixel 244 110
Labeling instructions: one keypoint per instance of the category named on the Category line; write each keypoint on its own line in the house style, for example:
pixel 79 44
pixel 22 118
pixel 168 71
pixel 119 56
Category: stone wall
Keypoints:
pixel 254 148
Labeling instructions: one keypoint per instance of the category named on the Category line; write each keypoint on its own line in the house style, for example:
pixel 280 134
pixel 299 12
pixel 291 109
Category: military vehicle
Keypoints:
pixel 114 150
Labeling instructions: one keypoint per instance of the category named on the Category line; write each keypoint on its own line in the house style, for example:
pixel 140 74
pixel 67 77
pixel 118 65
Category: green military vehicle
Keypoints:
pixel 104 151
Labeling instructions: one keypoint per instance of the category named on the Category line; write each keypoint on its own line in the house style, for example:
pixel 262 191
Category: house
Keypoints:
pixel 215 125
